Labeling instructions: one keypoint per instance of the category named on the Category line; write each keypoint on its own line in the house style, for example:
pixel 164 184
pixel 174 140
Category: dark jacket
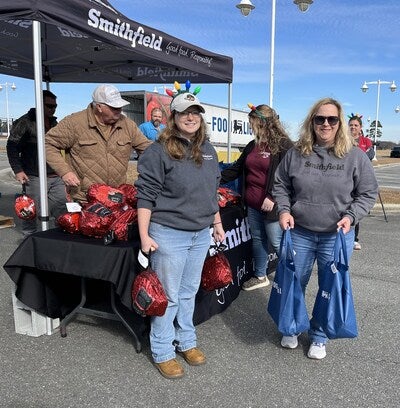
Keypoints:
pixel 238 169
pixel 22 149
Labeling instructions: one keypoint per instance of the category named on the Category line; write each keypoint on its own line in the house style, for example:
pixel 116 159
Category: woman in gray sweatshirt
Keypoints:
pixel 177 202
pixel 322 184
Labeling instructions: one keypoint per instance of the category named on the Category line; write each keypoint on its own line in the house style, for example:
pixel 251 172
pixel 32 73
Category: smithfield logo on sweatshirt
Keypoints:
pixel 208 157
pixel 324 167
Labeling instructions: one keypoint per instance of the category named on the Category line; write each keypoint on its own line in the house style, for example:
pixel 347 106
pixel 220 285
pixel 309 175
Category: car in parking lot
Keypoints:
pixel 395 152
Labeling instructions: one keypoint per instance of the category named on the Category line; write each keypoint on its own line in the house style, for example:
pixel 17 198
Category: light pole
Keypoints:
pixel 13 87
pixel 156 88
pixel 365 88
pixel 245 7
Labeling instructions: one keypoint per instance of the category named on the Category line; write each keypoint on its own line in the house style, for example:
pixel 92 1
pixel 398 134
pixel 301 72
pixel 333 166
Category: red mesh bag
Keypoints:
pixel 217 271
pixel 226 197
pixel 96 220
pixel 69 222
pixel 130 192
pixel 123 218
pixel 110 197
pixel 24 206
pixel 148 296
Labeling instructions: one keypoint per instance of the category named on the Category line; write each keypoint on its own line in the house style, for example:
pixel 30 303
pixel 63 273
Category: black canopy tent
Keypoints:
pixel 89 41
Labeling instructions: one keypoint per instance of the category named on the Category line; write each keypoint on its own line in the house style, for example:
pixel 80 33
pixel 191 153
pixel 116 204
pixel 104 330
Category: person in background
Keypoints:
pixel 322 184
pixel 22 155
pixel 256 165
pixel 153 127
pixel 365 144
pixel 98 142
pixel 177 202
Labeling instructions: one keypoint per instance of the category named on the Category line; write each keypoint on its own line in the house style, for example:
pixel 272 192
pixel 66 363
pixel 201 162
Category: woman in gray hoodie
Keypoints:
pixel 322 184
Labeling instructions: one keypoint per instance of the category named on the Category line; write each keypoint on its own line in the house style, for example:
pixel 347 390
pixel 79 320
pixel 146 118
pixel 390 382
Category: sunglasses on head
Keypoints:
pixel 51 106
pixel 320 120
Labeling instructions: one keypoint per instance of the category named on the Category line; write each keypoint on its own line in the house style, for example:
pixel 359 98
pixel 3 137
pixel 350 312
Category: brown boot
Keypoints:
pixel 194 356
pixel 170 369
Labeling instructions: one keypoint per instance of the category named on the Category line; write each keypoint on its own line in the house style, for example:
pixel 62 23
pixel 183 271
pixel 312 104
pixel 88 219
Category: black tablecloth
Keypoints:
pixel 48 265
pixel 239 254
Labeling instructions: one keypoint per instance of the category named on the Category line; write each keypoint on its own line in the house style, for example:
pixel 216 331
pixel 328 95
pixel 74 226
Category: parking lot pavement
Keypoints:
pixel 96 364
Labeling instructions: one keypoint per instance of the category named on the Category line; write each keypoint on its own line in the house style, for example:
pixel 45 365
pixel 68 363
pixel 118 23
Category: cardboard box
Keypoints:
pixel 31 323
pixel 6 222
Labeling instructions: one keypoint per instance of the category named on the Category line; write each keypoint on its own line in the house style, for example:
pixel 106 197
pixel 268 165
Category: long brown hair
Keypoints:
pixel 173 142
pixel 268 130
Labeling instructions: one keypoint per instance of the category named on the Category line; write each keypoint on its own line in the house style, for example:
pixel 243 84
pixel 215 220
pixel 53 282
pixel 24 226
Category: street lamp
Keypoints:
pixel 364 89
pixel 245 7
pixel 13 87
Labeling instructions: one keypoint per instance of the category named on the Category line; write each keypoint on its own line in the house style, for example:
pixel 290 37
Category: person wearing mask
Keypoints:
pixel 322 184
pixel 256 166
pixel 98 142
pixel 22 153
pixel 177 202
pixel 365 144
pixel 153 127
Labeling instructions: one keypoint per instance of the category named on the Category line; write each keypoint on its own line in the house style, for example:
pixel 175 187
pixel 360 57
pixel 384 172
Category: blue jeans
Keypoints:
pixel 309 247
pixel 178 263
pixel 263 231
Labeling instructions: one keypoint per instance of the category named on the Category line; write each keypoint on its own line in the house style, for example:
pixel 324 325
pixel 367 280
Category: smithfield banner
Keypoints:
pixel 90 41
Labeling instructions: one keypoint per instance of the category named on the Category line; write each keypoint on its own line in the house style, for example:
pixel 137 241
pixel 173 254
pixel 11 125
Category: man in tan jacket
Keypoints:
pixel 98 143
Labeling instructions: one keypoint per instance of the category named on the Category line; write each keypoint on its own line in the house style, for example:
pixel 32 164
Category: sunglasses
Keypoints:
pixel 320 120
pixel 50 105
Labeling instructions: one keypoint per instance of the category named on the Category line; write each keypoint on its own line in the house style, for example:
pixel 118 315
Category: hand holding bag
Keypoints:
pixel 148 296
pixel 24 206
pixel 334 306
pixel 286 302
pixel 217 271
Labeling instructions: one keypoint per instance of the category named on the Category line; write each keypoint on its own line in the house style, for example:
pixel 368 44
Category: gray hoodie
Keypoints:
pixel 180 194
pixel 319 189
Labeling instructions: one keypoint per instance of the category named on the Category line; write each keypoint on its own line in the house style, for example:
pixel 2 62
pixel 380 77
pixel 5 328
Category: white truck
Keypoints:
pixel 216 117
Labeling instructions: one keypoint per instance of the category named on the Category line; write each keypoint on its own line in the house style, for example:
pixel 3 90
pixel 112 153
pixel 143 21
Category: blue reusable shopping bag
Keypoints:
pixel 334 306
pixel 286 303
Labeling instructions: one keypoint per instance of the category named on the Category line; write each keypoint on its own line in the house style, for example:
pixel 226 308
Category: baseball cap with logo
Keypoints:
pixel 109 95
pixel 185 100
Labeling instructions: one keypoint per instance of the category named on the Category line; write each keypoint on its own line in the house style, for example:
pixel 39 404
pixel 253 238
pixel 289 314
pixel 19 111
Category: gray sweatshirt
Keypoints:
pixel 319 189
pixel 180 194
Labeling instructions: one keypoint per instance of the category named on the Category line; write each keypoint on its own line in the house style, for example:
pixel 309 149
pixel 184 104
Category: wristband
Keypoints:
pixel 215 223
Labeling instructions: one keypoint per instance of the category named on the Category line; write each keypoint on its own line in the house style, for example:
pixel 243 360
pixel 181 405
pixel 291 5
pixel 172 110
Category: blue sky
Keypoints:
pixel 328 51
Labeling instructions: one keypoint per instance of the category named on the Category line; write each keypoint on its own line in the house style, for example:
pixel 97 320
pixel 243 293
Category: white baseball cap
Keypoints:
pixel 109 95
pixel 185 100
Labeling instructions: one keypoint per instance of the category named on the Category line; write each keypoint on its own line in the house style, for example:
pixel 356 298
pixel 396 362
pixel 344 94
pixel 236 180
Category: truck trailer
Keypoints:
pixel 216 117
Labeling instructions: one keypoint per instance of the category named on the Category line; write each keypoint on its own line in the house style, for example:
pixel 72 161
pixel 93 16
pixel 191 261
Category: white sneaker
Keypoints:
pixel 289 342
pixel 357 246
pixel 317 351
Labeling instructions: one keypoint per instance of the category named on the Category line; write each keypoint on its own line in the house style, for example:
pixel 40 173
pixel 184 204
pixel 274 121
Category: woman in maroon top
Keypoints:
pixel 256 166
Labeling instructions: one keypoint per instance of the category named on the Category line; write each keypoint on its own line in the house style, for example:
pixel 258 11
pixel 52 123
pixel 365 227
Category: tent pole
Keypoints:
pixel 37 63
pixel 229 122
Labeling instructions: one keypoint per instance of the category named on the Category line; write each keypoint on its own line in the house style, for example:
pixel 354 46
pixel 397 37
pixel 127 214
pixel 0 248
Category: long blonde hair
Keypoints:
pixel 174 145
pixel 267 129
pixel 343 142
